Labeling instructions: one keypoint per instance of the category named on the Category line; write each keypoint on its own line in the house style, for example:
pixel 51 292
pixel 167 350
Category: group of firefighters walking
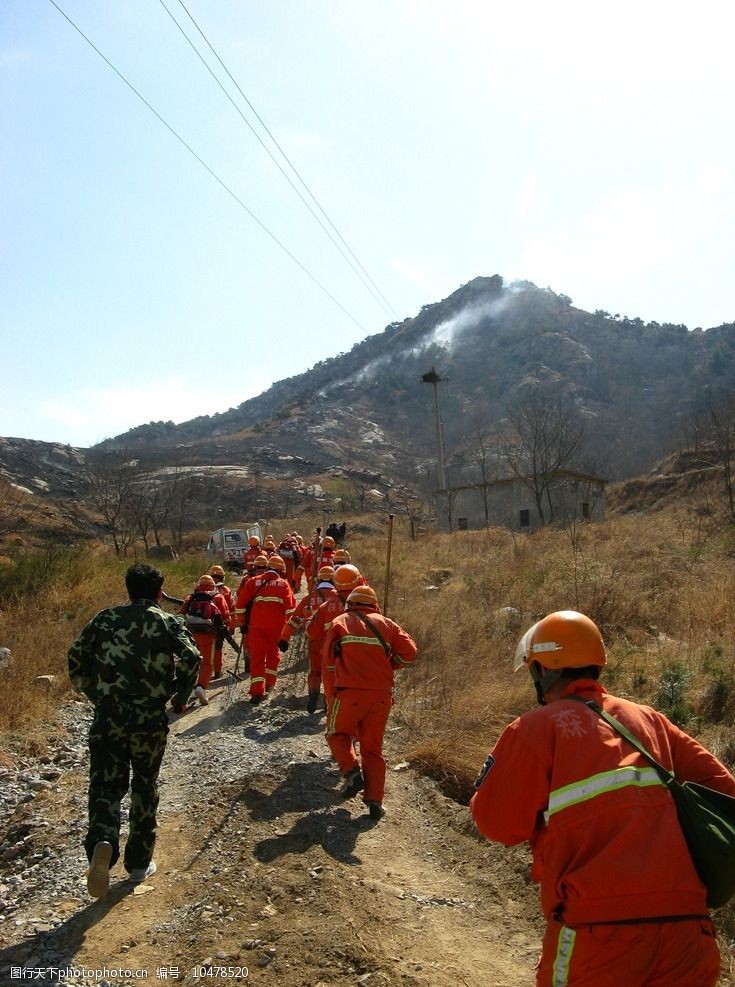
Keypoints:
pixel 353 649
pixel 622 897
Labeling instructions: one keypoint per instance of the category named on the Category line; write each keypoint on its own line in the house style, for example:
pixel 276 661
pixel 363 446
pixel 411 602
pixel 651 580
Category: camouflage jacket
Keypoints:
pixel 134 655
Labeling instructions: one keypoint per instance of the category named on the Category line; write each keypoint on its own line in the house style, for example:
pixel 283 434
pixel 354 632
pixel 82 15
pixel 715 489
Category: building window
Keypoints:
pixel 462 523
pixel 525 518
pixel 586 511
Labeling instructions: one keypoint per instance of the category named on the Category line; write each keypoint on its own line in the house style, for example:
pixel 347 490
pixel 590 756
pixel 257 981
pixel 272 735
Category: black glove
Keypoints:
pixel 283 646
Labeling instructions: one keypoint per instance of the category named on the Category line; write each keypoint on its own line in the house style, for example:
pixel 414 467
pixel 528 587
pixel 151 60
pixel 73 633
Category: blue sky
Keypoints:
pixel 585 147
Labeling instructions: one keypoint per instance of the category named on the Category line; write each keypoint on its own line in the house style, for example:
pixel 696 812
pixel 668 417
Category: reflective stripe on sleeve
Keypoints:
pixel 607 781
pixel 356 639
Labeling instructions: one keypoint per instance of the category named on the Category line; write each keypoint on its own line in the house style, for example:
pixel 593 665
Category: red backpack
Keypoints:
pixel 288 549
pixel 201 613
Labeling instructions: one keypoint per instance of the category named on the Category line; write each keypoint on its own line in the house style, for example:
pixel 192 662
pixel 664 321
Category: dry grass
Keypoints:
pixel 46 599
pixel 660 590
pixel 660 587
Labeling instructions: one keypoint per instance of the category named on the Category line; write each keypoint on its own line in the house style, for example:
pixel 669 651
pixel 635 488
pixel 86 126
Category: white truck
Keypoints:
pixel 227 545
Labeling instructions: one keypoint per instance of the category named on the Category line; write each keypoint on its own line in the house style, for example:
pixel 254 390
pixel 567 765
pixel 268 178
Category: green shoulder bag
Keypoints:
pixel 706 817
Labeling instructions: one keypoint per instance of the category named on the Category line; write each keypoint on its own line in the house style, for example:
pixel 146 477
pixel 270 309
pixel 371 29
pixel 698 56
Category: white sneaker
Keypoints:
pixel 98 875
pixel 139 874
pixel 201 693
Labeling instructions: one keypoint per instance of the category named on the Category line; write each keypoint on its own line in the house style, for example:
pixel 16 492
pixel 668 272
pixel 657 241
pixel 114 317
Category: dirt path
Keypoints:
pixel 262 866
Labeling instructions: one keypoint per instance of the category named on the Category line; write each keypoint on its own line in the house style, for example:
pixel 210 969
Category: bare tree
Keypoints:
pixel 182 491
pixel 17 508
pixel 714 441
pixel 446 501
pixel 541 437
pixel 484 457
pixel 415 510
pixel 109 483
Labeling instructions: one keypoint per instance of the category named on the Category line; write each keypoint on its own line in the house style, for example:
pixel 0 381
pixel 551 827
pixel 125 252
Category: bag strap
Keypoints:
pixel 667 777
pixel 376 632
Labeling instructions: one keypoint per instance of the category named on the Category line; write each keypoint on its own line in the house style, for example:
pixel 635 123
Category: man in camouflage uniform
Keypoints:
pixel 129 660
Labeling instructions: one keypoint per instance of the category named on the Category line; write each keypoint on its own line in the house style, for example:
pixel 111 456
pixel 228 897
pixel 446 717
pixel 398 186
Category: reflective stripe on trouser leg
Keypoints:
pixel 272 660
pixel 257 645
pixel 563 958
pixel 339 738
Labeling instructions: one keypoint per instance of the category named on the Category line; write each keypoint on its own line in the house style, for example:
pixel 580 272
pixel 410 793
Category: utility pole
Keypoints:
pixel 433 378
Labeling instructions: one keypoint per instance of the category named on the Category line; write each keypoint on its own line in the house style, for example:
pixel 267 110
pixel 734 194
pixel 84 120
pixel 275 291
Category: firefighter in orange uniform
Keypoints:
pixel 205 616
pixel 309 560
pixel 258 568
pixel 250 555
pixel 622 900
pixel 317 554
pixel 218 575
pixel 367 649
pixel 320 622
pixel 341 556
pixel 290 552
pixel 305 609
pixel 220 586
pixel 299 571
pixel 264 604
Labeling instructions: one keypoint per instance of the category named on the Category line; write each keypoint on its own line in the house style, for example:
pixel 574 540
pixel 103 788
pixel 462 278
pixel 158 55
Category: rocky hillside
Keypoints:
pixel 638 385
pixel 359 427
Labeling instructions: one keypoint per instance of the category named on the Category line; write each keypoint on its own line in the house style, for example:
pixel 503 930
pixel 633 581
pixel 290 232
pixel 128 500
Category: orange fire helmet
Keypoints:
pixel 564 639
pixel 347 577
pixel 363 596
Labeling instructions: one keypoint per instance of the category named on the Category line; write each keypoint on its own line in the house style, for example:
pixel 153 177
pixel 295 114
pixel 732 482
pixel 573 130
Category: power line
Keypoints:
pixel 376 295
pixel 214 175
pixel 286 158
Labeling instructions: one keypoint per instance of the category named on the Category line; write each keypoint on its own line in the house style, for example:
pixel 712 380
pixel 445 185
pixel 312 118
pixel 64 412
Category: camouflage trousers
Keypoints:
pixel 124 741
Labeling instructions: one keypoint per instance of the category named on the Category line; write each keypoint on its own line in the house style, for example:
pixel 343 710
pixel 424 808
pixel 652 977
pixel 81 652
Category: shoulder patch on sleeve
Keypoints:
pixel 485 768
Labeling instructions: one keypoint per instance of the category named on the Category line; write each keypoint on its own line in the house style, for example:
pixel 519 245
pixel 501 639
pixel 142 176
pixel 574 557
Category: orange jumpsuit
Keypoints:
pixel 317 629
pixel 248 558
pixel 363 691
pixel 324 556
pixel 226 593
pixel 209 643
pixel 224 590
pixel 271 600
pixel 305 609
pixel 615 873
pixel 291 554
pixel 299 571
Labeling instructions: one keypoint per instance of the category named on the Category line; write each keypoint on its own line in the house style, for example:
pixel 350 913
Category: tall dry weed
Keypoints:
pixel 46 599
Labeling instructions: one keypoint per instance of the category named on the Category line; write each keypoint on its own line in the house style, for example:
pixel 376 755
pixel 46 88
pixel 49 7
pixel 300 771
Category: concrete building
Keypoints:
pixel 511 503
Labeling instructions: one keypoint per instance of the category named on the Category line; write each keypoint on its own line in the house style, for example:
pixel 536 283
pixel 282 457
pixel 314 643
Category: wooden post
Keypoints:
pixel 387 565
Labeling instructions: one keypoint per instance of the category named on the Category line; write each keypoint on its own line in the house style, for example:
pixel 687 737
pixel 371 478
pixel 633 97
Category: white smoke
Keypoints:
pixel 447 333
